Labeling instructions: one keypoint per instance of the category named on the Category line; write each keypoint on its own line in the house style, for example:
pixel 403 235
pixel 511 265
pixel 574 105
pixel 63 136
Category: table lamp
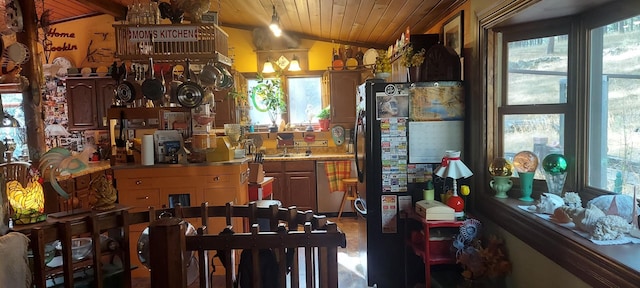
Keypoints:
pixel 452 167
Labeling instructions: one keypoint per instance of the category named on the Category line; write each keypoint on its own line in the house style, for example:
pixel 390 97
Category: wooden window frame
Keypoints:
pixel 599 266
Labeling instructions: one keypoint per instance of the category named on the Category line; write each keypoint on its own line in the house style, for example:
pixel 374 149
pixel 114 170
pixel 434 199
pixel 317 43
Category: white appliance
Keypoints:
pixel 329 202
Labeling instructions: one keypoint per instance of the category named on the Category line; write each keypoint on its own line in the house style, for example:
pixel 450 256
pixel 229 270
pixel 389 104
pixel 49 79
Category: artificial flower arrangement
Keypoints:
pixel 480 258
pixel 410 58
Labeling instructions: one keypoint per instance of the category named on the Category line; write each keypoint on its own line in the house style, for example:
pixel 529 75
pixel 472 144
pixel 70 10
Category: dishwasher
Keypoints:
pixel 328 202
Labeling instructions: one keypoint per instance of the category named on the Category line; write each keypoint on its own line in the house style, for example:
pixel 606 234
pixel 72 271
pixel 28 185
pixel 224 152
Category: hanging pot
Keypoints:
pixel 152 88
pixel 125 91
pixel 189 93
pixel 209 75
pixel 227 81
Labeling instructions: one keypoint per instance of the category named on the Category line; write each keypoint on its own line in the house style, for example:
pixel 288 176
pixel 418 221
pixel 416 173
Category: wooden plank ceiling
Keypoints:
pixel 372 23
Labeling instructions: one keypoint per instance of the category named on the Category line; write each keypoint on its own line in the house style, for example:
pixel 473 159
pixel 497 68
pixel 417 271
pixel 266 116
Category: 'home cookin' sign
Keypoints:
pixel 163 34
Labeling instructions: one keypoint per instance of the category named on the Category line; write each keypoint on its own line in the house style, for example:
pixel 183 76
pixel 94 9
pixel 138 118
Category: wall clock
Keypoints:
pixel 338 134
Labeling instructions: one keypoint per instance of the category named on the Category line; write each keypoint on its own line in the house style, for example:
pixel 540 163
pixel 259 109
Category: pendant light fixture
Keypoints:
pixel 295 64
pixel 268 67
pixel 275 23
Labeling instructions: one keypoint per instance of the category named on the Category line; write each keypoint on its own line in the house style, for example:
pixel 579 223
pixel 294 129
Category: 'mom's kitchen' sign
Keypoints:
pixel 163 34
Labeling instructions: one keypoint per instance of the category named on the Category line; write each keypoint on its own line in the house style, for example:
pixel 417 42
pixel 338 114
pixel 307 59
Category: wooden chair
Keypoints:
pixel 16 171
pixel 316 245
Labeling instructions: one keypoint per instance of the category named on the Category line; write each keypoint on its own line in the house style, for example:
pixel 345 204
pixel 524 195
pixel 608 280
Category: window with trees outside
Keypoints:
pixel 581 102
pixel 303 96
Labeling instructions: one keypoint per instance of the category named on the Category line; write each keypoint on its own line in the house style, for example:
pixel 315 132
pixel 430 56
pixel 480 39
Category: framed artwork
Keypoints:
pixel 453 32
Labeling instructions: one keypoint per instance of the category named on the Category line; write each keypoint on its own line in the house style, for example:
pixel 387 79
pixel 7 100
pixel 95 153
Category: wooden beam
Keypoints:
pixel 32 70
pixel 110 7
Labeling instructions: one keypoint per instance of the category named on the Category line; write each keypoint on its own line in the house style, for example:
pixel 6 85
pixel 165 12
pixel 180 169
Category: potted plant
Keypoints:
pixel 323 118
pixel 412 60
pixel 271 97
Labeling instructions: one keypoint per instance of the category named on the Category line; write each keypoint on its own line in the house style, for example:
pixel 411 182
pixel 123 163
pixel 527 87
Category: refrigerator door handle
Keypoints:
pixel 358 129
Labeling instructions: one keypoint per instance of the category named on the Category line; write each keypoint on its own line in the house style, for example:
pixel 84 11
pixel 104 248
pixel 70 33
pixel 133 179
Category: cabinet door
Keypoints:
pixel 81 102
pixel 343 86
pixel 279 187
pixel 225 109
pixel 302 190
pixel 104 99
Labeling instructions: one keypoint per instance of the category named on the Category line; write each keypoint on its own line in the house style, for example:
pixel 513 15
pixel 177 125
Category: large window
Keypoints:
pixel 303 98
pixel 614 114
pixel 559 88
pixel 534 105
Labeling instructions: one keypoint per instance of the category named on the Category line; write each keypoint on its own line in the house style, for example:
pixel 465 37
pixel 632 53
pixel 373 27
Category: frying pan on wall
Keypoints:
pixel 152 88
pixel 125 91
pixel 189 93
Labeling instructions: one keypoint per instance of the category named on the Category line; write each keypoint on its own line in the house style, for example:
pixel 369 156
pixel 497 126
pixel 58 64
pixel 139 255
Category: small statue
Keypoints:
pixel 103 196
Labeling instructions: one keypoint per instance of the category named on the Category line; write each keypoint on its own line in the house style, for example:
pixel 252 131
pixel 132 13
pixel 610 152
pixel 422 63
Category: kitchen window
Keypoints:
pixel 539 109
pixel 303 97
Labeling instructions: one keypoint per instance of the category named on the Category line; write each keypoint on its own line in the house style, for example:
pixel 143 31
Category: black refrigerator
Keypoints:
pixel 394 156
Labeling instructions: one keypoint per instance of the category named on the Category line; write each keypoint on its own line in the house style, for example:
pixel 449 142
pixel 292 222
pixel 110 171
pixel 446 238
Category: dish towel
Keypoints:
pixel 15 272
pixel 336 171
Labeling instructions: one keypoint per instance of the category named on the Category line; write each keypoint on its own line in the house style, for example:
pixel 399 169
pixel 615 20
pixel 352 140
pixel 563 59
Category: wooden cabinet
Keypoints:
pixel 88 100
pixel 165 186
pixel 225 108
pixel 342 88
pixel 294 183
pixel 78 187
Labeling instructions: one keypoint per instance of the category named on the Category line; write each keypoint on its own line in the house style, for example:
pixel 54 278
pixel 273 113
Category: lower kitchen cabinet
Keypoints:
pixel 294 183
pixel 78 187
pixel 162 187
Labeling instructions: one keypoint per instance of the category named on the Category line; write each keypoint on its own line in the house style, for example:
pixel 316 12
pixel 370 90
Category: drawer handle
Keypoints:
pixel 138 182
pixel 216 178
pixel 143 198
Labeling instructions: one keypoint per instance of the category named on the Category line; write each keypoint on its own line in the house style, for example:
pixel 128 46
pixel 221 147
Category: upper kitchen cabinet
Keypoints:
pixel 88 100
pixel 227 102
pixel 342 86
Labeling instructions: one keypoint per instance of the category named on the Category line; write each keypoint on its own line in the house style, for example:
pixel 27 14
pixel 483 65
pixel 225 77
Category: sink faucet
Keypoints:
pixel 284 153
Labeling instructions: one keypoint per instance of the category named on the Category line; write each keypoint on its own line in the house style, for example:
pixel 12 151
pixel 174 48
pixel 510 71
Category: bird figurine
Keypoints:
pixel 26 202
pixel 61 162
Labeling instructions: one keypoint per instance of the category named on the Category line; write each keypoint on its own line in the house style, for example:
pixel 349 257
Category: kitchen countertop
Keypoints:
pixel 267 158
pixel 162 165
pixel 92 168
pixel 312 157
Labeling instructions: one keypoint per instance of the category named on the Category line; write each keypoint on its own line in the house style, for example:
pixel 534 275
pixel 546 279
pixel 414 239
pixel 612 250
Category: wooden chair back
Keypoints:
pixel 16 171
pixel 317 244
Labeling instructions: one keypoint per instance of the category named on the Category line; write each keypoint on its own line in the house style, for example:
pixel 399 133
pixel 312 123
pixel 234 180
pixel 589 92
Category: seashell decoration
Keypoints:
pixel 621 205
pixel 610 227
pixel 586 220
pixel 560 216
pixel 548 203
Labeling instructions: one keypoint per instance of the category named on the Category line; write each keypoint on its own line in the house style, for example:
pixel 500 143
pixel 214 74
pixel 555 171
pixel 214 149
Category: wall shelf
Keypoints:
pixel 198 42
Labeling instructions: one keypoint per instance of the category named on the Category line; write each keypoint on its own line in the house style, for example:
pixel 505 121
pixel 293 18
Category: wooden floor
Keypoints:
pixel 352 261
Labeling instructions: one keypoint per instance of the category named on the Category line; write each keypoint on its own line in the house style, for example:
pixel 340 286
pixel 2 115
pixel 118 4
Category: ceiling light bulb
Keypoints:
pixel 277 32
pixel 275 23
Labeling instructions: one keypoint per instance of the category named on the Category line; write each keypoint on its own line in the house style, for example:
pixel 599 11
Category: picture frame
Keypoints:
pixel 453 33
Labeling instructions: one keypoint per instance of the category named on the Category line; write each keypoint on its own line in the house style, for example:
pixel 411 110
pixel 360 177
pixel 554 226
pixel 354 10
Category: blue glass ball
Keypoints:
pixel 554 164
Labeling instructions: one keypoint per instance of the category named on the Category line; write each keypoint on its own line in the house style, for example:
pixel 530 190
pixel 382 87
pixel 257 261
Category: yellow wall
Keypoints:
pixel 95 30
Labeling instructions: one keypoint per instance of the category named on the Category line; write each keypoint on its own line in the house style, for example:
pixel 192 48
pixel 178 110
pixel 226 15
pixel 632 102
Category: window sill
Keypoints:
pixel 599 266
